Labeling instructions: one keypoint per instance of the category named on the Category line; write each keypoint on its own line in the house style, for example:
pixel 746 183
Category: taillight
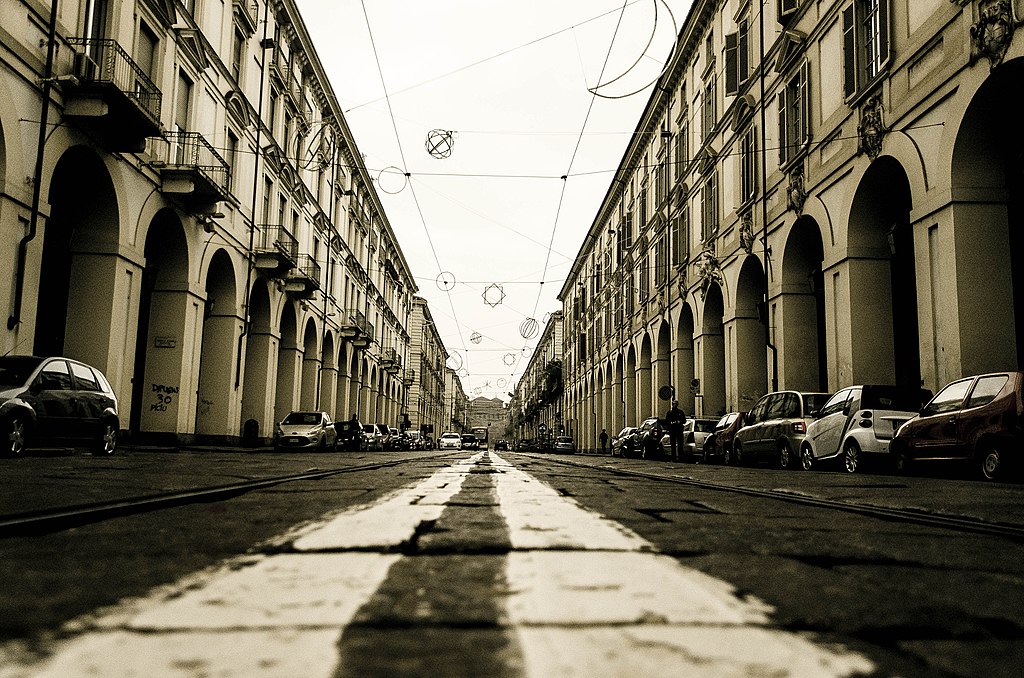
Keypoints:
pixel 799 427
pixel 865 420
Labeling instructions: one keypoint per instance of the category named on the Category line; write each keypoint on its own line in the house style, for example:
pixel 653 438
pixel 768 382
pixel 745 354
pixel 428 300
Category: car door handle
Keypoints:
pixel 952 420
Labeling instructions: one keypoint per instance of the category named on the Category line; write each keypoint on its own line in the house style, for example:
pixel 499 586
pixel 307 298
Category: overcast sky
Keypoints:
pixel 511 80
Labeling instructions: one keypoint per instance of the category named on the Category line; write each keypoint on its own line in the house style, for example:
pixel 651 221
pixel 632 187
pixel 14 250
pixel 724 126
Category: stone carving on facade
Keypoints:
pixel 709 270
pixel 871 129
pixel 795 193
pixel 991 35
pixel 747 238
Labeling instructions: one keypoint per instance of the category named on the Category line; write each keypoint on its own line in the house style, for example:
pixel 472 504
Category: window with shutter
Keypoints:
pixel 865 44
pixel 732 64
pixel 787 8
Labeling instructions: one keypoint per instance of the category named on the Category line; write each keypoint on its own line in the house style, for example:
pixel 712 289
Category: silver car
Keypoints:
pixel 306 430
pixel 449 441
pixel 775 427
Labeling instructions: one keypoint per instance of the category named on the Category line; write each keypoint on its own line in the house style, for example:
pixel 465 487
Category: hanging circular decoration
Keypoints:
pixel 528 328
pixel 509 359
pixel 476 337
pixel 454 360
pixel 439 143
pixel 316 149
pixel 477 390
pixel 392 180
pixel 493 295
pixel 675 31
pixel 502 382
pixel 527 351
pixel 445 281
pixel 463 373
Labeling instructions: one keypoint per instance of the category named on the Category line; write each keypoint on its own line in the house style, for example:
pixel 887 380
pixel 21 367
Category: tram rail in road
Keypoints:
pixel 57 519
pixel 1011 531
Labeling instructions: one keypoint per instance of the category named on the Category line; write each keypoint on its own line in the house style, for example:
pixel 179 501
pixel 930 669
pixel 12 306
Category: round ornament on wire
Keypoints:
pixel 445 281
pixel 392 180
pixel 454 360
pixel 476 337
pixel 439 143
pixel 509 359
pixel 527 351
pixel 502 383
pixel 463 373
pixel 528 328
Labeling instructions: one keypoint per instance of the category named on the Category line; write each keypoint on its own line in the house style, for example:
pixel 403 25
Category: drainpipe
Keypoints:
pixel 37 178
pixel 255 188
pixel 764 218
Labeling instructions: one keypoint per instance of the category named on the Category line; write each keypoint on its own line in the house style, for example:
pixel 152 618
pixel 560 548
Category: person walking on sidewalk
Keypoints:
pixel 676 422
pixel 604 441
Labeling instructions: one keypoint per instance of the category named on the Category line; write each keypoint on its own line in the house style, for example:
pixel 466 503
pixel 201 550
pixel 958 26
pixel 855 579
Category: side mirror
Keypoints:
pixel 748 418
pixel 816 414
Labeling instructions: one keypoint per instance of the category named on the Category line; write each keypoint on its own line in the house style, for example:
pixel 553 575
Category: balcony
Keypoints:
pixel 191 171
pixel 391 360
pixel 304 279
pixel 275 250
pixel 355 329
pixel 109 95
pixel 408 377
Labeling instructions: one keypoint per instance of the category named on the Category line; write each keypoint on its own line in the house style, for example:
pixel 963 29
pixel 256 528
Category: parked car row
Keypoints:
pixel 978 420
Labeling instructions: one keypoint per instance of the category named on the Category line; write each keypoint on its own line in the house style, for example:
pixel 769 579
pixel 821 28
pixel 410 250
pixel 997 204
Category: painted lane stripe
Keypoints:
pixel 270 616
pixel 613 606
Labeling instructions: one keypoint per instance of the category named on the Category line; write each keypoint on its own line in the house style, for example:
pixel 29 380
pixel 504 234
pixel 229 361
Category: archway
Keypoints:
pixel 645 380
pixel 329 378
pixel 684 360
pixel 288 359
pixel 79 264
pixel 746 339
pixel 309 393
pixel 260 362
pixel 797 313
pixel 986 270
pixel 629 385
pixel 663 374
pixel 216 397
pixel 164 305
pixel 881 283
pixel 711 344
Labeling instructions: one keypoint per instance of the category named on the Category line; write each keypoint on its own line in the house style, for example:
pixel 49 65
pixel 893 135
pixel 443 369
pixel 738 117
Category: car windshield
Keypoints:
pixel 14 370
pixel 302 418
pixel 898 398
pixel 813 402
pixel 704 425
pixel 563 439
pixel 451 436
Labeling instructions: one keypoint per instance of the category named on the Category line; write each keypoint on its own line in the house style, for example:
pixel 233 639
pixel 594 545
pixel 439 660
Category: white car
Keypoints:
pixel 450 441
pixel 310 430
pixel 858 422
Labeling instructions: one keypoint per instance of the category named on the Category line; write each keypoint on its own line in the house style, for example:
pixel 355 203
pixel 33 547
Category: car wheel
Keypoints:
pixel 806 458
pixel 785 457
pixel 15 430
pixel 989 461
pixel 851 456
pixel 106 444
pixel 900 461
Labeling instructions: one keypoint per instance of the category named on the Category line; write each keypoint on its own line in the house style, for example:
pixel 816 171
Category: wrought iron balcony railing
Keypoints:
pixel 102 61
pixel 277 238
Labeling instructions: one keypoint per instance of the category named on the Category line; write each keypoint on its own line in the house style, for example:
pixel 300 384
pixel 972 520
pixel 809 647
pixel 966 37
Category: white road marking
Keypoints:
pixel 613 606
pixel 585 596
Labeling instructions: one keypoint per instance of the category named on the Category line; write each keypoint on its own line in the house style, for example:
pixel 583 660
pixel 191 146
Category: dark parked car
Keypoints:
pixel 350 435
pixel 305 430
pixel 55 401
pixel 501 445
pixel 978 419
pixel 718 446
pixel 648 438
pixel 624 442
pixel 775 427
pixel 470 442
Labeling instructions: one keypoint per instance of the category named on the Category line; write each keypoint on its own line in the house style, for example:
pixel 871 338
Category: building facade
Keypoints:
pixel 818 194
pixel 456 403
pixel 190 214
pixel 537 406
pixel 489 412
pixel 426 371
